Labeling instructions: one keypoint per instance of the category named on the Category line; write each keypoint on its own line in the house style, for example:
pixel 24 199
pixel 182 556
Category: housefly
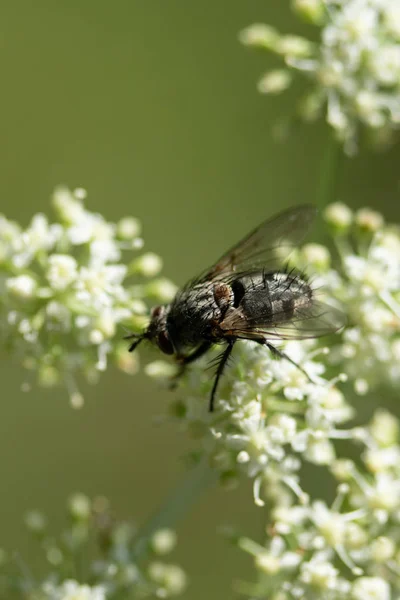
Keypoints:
pixel 248 294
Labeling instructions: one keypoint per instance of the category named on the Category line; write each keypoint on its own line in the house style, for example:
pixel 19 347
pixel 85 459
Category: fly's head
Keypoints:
pixel 156 332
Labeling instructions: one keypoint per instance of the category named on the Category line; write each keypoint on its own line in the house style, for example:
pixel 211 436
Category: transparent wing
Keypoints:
pixel 309 321
pixel 267 247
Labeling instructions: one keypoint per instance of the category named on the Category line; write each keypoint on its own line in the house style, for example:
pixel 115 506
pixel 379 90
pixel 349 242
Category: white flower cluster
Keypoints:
pixel 367 283
pixel 354 68
pixel 64 291
pixel 112 565
pixel 269 415
pixel 72 590
pixel 349 550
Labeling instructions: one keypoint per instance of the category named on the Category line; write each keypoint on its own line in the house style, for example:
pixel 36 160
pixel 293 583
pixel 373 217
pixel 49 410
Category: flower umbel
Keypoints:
pixel 67 294
pixel 353 70
pixel 112 570
pixel 268 416
pixel 367 282
pixel 347 550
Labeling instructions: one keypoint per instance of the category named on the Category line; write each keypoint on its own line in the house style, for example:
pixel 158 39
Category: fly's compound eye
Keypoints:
pixel 164 343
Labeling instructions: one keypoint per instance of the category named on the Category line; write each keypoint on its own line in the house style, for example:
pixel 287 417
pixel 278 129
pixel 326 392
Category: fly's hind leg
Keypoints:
pixel 279 354
pixel 183 361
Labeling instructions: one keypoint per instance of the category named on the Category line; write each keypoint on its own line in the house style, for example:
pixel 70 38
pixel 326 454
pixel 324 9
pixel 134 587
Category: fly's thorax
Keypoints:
pixel 195 311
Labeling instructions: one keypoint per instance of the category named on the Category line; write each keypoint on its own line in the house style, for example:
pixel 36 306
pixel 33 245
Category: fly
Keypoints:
pixel 246 295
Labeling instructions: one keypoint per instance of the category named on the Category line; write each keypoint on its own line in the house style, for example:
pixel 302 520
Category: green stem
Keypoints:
pixel 328 185
pixel 176 505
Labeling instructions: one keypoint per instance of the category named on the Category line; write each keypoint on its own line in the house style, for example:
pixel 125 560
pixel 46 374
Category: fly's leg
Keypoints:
pixel 183 361
pixel 220 369
pixel 202 349
pixel 279 354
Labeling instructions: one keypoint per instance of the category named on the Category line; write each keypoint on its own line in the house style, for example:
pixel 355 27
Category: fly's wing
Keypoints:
pixel 311 320
pixel 265 248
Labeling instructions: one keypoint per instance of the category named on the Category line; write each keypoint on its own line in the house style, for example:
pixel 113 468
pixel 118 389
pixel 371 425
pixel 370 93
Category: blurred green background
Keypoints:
pixel 152 107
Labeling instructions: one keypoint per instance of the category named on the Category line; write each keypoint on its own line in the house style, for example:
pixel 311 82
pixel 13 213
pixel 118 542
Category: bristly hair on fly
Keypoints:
pixel 250 293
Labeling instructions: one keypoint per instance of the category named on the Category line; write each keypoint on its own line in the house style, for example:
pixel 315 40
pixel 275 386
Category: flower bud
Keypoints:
pixel 163 541
pixel 147 265
pixel 128 228
pixel 275 82
pixel 311 10
pixel 267 563
pixel 339 216
pixel 35 522
pixel 368 221
pixel 260 36
pixel 79 507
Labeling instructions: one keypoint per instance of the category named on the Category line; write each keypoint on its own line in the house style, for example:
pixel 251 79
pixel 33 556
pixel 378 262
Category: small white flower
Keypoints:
pixel 103 251
pixel 370 588
pixel 385 64
pixel 385 493
pixel 90 228
pixel 331 525
pixel 96 337
pixel 391 16
pixel 22 286
pixel 320 452
pixel 9 231
pixel 37 238
pixel 385 428
pixel 69 208
pixel 58 316
pixel 171 579
pixel 286 425
pixel 381 459
pixel 62 271
pixel 319 574
pixel 382 549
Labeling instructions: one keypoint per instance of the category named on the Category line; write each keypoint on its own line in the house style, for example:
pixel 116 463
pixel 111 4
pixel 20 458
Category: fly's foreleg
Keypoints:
pixel 183 361
pixel 220 368
pixel 202 349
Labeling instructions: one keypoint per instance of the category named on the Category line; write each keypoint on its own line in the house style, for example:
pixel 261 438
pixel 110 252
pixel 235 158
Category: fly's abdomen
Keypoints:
pixel 272 298
pixel 288 293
